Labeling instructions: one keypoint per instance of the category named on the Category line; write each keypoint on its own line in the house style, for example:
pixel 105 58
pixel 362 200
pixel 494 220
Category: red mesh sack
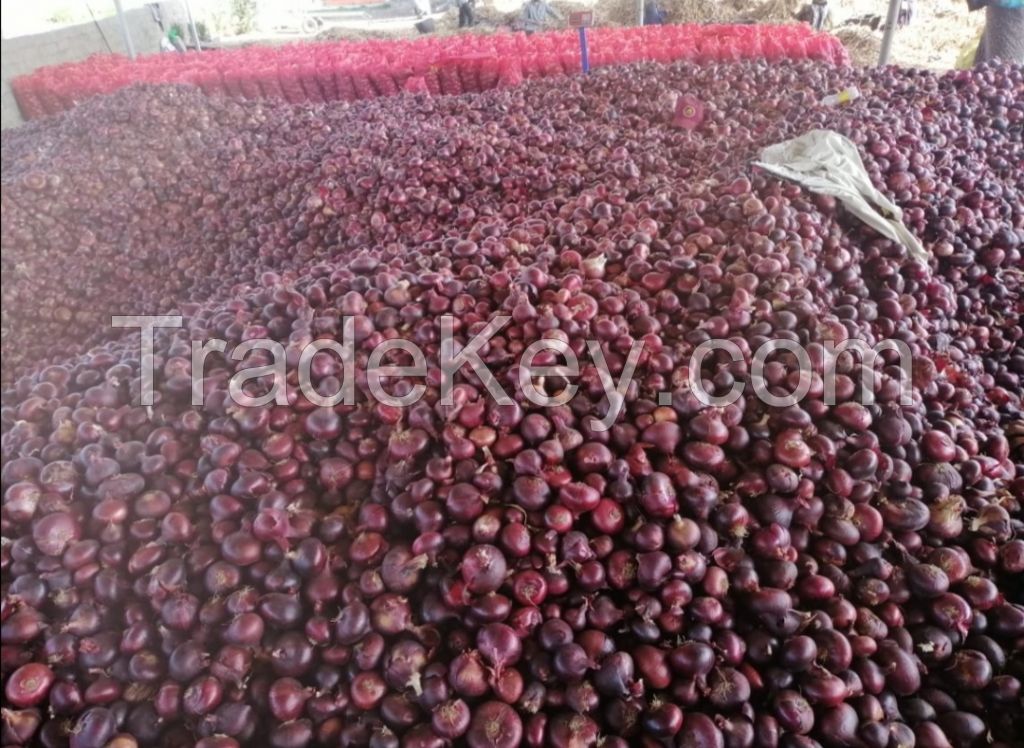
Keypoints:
pixel 511 74
pixel 730 51
pixel 291 83
pixel 416 84
pixel 401 70
pixel 433 78
pixel 710 50
pixel 270 86
pixel 383 82
pixel 773 50
pixel 325 77
pixel 51 101
pixel 625 53
pixel 686 51
pixel 310 82
pixel 233 82
pixel 469 72
pixel 796 49
pixel 550 64
pixel 490 69
pixel 752 48
pixel 343 82
pixel 531 66
pixel 210 81
pixel 448 76
pixel 24 88
pixel 840 54
pixel 827 48
pixel 250 86
pixel 361 82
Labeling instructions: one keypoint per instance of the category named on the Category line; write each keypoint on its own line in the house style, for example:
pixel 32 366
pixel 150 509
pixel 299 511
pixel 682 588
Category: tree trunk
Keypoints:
pixel 1004 35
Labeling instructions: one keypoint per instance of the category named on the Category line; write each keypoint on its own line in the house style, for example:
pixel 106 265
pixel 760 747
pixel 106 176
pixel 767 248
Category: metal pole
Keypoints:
pixel 890 30
pixel 124 30
pixel 640 12
pixel 192 25
pixel 584 51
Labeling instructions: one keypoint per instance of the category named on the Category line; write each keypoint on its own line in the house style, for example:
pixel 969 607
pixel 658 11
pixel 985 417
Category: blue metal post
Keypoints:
pixel 584 52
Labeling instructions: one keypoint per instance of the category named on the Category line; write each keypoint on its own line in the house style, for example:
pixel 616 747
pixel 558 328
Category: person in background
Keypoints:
pixel 819 14
pixel 466 8
pixel 535 15
pixel 906 13
pixel 654 14
pixel 172 41
pixel 1004 30
pixel 175 36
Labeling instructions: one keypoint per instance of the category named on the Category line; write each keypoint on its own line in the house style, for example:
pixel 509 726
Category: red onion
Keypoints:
pixel 839 571
pixel 494 725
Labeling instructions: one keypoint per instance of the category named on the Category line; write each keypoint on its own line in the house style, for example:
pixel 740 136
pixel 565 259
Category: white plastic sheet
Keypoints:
pixel 826 162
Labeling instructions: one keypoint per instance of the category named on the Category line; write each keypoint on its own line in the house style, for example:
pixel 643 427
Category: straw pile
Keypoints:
pixel 862 44
pixel 625 12
pixel 494 14
pixel 775 11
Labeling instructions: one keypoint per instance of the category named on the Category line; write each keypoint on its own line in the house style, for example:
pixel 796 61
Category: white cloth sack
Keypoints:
pixel 826 162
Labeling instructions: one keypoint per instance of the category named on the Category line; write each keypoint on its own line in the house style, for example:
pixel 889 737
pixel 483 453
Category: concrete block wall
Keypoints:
pixel 24 54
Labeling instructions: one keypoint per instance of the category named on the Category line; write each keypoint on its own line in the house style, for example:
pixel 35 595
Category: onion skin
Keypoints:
pixel 28 685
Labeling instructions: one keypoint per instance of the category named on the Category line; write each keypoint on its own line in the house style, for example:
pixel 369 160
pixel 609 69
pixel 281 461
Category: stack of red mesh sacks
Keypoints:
pixel 344 70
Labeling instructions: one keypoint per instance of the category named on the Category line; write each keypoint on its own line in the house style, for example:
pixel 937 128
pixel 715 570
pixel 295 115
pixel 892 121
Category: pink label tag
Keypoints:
pixel 689 112
pixel 581 19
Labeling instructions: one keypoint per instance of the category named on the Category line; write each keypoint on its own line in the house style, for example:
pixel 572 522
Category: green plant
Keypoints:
pixel 243 13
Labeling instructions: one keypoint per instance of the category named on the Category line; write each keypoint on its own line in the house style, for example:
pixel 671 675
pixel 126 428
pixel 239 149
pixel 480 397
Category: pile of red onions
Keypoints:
pixel 490 575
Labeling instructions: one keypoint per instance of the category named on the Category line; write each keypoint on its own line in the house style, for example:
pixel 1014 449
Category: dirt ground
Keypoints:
pixel 933 39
